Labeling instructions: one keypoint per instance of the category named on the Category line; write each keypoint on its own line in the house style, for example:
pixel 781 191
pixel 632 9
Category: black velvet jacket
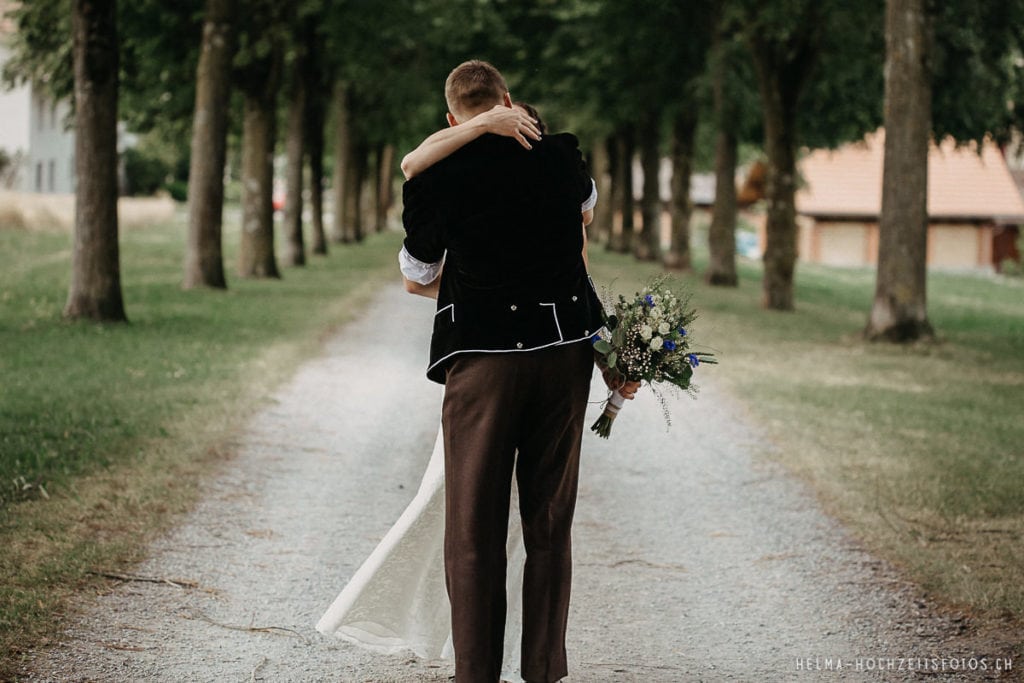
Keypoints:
pixel 507 222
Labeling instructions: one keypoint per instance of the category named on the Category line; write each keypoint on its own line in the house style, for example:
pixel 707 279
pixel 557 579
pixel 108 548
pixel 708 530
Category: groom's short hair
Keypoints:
pixel 472 85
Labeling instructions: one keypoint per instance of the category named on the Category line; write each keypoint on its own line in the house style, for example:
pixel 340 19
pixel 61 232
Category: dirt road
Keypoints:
pixel 696 558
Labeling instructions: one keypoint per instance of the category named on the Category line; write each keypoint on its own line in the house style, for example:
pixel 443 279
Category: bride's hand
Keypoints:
pixel 512 123
pixel 618 383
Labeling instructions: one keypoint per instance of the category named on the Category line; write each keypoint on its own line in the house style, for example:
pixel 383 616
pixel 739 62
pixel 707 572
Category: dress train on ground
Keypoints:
pixel 397 601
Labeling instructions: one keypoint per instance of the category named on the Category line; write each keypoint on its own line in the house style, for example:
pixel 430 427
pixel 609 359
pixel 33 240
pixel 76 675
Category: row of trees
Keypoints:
pixel 634 79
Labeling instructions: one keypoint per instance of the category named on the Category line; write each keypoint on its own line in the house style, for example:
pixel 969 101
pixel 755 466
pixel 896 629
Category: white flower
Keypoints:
pixel 656 343
pixel 664 328
pixel 645 332
pixel 655 312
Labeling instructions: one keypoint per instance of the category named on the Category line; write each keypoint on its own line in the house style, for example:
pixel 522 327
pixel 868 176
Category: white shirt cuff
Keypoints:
pixel 416 270
pixel 592 199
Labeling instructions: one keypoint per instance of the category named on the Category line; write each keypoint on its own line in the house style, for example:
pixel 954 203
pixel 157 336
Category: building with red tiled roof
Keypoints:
pixel 974 207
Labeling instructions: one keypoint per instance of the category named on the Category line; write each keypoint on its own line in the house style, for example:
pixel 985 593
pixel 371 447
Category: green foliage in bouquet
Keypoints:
pixel 647 339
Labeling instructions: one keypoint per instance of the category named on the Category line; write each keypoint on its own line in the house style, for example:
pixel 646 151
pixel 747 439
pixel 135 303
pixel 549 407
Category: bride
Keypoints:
pixel 397 600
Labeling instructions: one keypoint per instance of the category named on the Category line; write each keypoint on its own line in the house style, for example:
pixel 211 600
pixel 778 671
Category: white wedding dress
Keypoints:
pixel 397 601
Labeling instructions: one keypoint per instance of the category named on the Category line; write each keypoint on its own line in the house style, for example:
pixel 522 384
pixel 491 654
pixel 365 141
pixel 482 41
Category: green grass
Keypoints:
pixel 75 395
pixel 105 429
pixel 919 449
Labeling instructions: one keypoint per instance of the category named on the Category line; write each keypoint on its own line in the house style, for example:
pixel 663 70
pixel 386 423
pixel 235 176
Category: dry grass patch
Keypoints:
pixel 56 212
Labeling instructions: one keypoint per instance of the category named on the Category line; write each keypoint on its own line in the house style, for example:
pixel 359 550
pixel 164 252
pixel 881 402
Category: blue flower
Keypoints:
pixel 694 361
pixel 669 345
pixel 650 300
pixel 596 338
pixel 682 331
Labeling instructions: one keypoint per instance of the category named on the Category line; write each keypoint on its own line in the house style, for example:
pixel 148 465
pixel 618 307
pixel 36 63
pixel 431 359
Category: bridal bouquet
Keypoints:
pixel 646 339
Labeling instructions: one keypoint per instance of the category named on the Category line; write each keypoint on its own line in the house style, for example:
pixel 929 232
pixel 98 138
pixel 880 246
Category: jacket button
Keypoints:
pixel 574 298
pixel 519 345
pixel 513 307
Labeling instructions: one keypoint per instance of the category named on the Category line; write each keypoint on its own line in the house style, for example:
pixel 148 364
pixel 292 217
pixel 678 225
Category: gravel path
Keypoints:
pixel 696 558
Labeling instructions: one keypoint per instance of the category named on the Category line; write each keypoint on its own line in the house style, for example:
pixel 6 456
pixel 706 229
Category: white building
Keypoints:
pixel 33 133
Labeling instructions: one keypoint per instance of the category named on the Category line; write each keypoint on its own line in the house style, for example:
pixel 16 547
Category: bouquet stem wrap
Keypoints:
pixel 603 426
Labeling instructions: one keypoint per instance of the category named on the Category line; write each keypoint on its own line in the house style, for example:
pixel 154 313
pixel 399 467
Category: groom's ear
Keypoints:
pixel 508 99
pixel 451 120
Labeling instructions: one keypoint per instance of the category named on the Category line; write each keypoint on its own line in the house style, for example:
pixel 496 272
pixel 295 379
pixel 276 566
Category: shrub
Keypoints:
pixel 146 172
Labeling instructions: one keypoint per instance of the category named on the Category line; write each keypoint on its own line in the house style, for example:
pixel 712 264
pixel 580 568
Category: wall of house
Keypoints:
pixel 958 245
pixel 841 243
pixel 14 113
pixel 33 126
pixel 51 161
pixel 855 243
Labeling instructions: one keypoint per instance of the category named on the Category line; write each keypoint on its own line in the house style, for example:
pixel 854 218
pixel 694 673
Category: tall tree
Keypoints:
pixel 295 141
pixel 722 232
pixel 928 46
pixel 647 245
pixel 622 191
pixel 899 312
pixel 818 66
pixel 259 77
pixel 318 81
pixel 385 156
pixel 315 120
pixel 340 232
pixel 684 130
pixel 95 290
pixel 204 261
pixel 600 229
pixel 783 58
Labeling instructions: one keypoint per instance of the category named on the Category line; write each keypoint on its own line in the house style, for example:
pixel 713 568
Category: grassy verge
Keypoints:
pixel 919 449
pixel 105 429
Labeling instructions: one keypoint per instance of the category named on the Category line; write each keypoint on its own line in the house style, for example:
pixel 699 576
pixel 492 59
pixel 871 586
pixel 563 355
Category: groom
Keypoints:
pixel 494 233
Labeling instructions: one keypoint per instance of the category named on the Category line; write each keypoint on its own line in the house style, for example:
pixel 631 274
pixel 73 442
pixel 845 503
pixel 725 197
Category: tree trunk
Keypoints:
pixel 95 290
pixel 722 233
pixel 783 66
pixel 601 228
pixel 256 252
pixel 622 189
pixel 204 260
pixel 385 178
pixel 899 311
pixel 778 106
pixel 342 154
pixel 296 151
pixel 647 246
pixel 780 221
pixel 684 131
pixel 355 181
pixel 316 110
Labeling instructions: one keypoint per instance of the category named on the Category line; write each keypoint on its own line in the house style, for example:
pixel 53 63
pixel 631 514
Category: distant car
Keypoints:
pixel 747 246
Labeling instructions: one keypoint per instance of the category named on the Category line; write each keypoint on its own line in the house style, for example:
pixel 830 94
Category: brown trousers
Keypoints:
pixel 495 405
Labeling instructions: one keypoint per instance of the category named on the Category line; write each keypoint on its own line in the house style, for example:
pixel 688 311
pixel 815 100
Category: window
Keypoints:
pixel 39 176
pixel 40 113
pixel 52 175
